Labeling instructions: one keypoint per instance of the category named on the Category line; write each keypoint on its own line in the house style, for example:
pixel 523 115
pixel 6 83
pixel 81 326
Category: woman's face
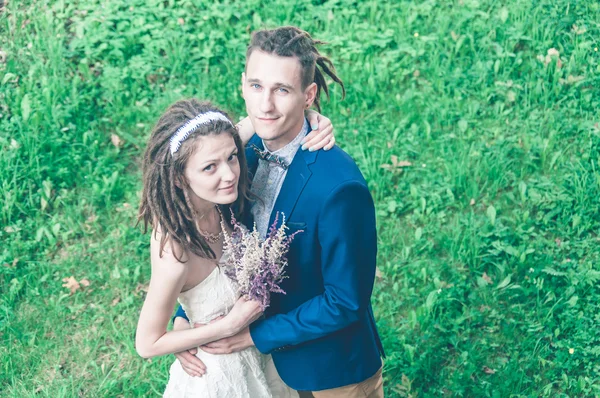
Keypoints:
pixel 213 171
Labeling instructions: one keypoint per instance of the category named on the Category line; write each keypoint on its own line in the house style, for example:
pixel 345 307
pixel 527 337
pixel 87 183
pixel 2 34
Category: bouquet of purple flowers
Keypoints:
pixel 257 265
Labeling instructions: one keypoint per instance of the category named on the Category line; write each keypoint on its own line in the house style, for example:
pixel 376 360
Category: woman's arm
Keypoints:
pixel 167 280
pixel 321 136
pixel 245 129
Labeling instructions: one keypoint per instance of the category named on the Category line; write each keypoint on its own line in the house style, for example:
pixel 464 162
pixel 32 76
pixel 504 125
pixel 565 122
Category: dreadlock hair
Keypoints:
pixel 289 41
pixel 166 204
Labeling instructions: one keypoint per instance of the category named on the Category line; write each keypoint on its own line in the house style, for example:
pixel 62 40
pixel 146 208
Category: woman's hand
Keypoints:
pixel 243 313
pixel 321 136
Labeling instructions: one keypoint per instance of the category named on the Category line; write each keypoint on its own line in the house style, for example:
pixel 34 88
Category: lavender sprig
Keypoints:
pixel 257 265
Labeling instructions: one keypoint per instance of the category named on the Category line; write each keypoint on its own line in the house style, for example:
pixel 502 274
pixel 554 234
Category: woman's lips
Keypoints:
pixel 228 189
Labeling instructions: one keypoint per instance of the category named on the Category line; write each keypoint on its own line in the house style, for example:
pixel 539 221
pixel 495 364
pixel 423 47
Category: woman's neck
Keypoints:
pixel 209 218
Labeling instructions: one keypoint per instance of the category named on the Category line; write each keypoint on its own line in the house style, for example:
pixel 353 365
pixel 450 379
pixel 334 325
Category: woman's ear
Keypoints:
pixel 179 182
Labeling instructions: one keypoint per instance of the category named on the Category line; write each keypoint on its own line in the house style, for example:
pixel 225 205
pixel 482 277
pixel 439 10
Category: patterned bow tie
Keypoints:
pixel 269 157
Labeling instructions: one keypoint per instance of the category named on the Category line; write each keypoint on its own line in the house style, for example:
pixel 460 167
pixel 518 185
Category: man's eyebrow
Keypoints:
pixel 276 84
pixel 284 85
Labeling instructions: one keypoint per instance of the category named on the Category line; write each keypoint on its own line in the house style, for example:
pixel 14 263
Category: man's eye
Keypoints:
pixel 255 86
pixel 283 90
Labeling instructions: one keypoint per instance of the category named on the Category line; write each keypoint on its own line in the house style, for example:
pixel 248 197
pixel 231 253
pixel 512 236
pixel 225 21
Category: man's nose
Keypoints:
pixel 266 102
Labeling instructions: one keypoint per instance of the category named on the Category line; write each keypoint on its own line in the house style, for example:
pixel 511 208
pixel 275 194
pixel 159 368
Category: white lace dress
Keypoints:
pixel 244 374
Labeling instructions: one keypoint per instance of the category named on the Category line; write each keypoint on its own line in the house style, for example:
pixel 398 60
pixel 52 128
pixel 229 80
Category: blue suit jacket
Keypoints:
pixel 322 333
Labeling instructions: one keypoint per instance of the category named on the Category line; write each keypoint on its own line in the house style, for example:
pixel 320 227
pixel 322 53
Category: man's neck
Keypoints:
pixel 275 145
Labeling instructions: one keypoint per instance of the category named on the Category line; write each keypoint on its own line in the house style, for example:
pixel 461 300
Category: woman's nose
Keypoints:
pixel 228 173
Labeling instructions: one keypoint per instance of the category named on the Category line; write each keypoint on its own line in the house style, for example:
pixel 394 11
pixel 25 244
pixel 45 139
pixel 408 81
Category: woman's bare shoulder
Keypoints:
pixel 171 256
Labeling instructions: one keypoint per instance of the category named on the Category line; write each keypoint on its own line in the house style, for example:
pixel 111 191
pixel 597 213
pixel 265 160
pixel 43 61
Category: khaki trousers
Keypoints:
pixel 369 388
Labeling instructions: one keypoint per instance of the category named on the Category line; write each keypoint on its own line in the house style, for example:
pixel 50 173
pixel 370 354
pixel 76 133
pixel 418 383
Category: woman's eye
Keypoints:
pixel 209 167
pixel 232 156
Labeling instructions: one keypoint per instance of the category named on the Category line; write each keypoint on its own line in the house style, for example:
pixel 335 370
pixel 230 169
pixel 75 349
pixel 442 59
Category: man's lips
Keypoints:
pixel 268 119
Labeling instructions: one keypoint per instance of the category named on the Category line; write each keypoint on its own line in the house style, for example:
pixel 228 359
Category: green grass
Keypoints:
pixel 489 247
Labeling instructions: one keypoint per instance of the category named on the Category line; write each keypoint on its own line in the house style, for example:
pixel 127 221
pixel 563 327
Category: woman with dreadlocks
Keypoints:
pixel 194 171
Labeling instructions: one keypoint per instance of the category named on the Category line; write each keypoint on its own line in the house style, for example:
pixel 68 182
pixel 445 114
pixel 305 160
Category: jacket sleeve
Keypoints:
pixel 180 313
pixel 348 238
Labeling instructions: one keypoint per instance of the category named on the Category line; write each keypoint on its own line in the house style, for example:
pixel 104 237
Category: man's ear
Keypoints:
pixel 310 93
pixel 243 84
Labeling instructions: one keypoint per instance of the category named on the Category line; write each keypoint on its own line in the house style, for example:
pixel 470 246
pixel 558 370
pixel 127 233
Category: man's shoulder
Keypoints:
pixel 337 166
pixel 336 153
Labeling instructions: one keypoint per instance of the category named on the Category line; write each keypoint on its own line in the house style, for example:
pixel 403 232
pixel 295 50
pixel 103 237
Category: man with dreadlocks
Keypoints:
pixel 321 333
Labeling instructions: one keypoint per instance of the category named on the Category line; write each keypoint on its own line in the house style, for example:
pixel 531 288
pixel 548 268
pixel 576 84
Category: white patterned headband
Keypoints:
pixel 190 126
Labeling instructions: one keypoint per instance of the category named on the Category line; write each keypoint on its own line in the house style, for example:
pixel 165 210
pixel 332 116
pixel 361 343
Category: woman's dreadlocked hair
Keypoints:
pixel 289 41
pixel 166 204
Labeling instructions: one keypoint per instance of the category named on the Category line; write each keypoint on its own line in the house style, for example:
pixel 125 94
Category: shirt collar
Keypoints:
pixel 288 152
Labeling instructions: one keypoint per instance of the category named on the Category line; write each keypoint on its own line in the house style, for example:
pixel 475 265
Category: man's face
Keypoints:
pixel 275 100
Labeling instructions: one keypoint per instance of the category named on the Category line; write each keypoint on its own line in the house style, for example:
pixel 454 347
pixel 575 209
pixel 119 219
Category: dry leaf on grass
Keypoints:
pixel 396 164
pixel 486 278
pixel 72 284
pixel 141 288
pixel 552 52
pixel 116 140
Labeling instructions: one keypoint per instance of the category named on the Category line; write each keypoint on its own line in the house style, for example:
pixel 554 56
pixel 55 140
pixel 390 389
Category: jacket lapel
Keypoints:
pixel 296 178
pixel 252 161
pixel 251 156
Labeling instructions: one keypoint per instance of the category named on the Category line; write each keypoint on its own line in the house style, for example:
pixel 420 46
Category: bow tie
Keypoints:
pixel 269 157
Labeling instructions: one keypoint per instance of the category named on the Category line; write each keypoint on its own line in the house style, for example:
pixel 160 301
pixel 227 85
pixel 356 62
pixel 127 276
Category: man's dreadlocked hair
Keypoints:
pixel 289 41
pixel 167 207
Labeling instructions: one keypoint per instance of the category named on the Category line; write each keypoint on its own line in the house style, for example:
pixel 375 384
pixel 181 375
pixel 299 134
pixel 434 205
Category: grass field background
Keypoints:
pixel 475 122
